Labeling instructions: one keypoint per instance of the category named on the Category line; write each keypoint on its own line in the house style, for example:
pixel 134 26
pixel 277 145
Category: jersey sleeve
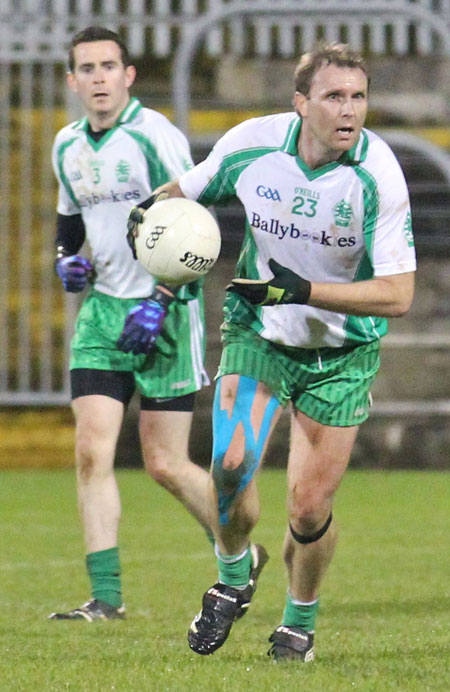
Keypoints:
pixel 213 180
pixel 164 147
pixel 388 224
pixel 177 154
pixel 169 154
pixel 66 205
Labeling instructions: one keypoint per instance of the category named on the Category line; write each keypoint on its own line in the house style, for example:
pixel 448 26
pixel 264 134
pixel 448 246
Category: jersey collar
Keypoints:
pixel 358 153
pixel 129 113
pixel 353 157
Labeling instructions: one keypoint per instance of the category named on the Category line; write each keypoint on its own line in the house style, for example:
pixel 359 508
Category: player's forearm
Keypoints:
pixel 70 234
pixel 389 296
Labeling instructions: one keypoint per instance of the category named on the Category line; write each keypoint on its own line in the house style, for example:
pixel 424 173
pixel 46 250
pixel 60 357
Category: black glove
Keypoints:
pixel 285 287
pixel 136 217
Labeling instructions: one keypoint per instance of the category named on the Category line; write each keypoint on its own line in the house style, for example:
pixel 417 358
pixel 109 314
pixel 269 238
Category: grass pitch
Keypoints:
pixel 384 622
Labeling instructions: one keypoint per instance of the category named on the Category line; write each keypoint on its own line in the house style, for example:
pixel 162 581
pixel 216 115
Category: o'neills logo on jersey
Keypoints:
pixel 274 227
pixel 107 198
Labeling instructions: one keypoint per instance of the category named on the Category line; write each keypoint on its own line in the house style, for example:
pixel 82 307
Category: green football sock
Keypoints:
pixel 103 568
pixel 234 570
pixel 298 614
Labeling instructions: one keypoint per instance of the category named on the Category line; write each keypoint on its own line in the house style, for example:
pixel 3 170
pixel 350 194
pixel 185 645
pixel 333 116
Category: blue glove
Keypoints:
pixel 74 271
pixel 144 323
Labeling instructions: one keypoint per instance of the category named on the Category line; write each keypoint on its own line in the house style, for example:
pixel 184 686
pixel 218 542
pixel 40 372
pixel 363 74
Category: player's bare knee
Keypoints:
pixel 307 537
pixel 232 461
pixel 305 524
pixel 308 512
pixel 161 475
pixel 85 467
pixel 308 522
pixel 167 469
pixel 309 502
pixel 158 466
pixel 85 458
pixel 226 480
pixel 231 453
pixel 232 472
pixel 93 459
pixel 92 470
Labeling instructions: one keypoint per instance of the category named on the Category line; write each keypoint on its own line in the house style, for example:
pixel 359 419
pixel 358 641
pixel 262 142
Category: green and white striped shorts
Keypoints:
pixel 175 365
pixel 330 385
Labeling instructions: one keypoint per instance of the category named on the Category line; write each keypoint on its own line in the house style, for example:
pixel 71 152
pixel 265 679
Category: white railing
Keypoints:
pixel 42 29
pixel 351 15
pixel 419 408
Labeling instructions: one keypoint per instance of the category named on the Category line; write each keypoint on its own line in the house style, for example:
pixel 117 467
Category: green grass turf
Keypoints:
pixel 385 606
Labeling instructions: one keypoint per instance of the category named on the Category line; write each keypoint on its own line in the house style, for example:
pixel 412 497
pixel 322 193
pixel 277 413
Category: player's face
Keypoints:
pixel 101 80
pixel 334 111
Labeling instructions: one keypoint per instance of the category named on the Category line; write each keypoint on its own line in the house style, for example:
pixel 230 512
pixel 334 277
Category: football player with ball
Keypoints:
pixel 328 255
pixel 131 332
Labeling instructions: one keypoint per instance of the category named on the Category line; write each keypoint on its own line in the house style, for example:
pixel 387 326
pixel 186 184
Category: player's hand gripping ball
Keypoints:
pixel 177 241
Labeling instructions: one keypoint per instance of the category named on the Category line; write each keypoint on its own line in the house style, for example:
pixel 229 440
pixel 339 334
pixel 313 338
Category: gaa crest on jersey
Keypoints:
pixel 343 213
pixel 268 193
pixel 123 169
pixel 407 230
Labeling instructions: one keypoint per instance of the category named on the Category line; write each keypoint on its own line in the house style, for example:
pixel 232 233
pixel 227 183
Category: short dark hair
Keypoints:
pixel 97 33
pixel 334 53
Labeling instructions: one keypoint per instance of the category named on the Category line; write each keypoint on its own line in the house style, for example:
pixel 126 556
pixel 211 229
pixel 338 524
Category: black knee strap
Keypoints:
pixel 314 536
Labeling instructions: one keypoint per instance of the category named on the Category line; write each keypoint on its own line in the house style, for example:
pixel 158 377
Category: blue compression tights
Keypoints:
pixel 230 482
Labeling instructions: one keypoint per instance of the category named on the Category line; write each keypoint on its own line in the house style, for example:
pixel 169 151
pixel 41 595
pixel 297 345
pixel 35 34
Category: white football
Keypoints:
pixel 178 241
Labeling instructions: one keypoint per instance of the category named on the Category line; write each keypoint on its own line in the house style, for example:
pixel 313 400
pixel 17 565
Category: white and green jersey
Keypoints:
pixel 103 180
pixel 344 222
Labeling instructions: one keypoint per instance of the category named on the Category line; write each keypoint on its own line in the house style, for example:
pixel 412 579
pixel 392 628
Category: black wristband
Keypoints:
pixel 303 292
pixel 161 297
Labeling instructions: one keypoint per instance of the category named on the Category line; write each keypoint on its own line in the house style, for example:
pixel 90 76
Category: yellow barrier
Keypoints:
pixel 36 438
pixel 201 122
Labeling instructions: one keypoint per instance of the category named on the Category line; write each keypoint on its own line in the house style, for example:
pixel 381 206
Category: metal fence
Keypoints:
pixel 41 29
pixel 36 317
